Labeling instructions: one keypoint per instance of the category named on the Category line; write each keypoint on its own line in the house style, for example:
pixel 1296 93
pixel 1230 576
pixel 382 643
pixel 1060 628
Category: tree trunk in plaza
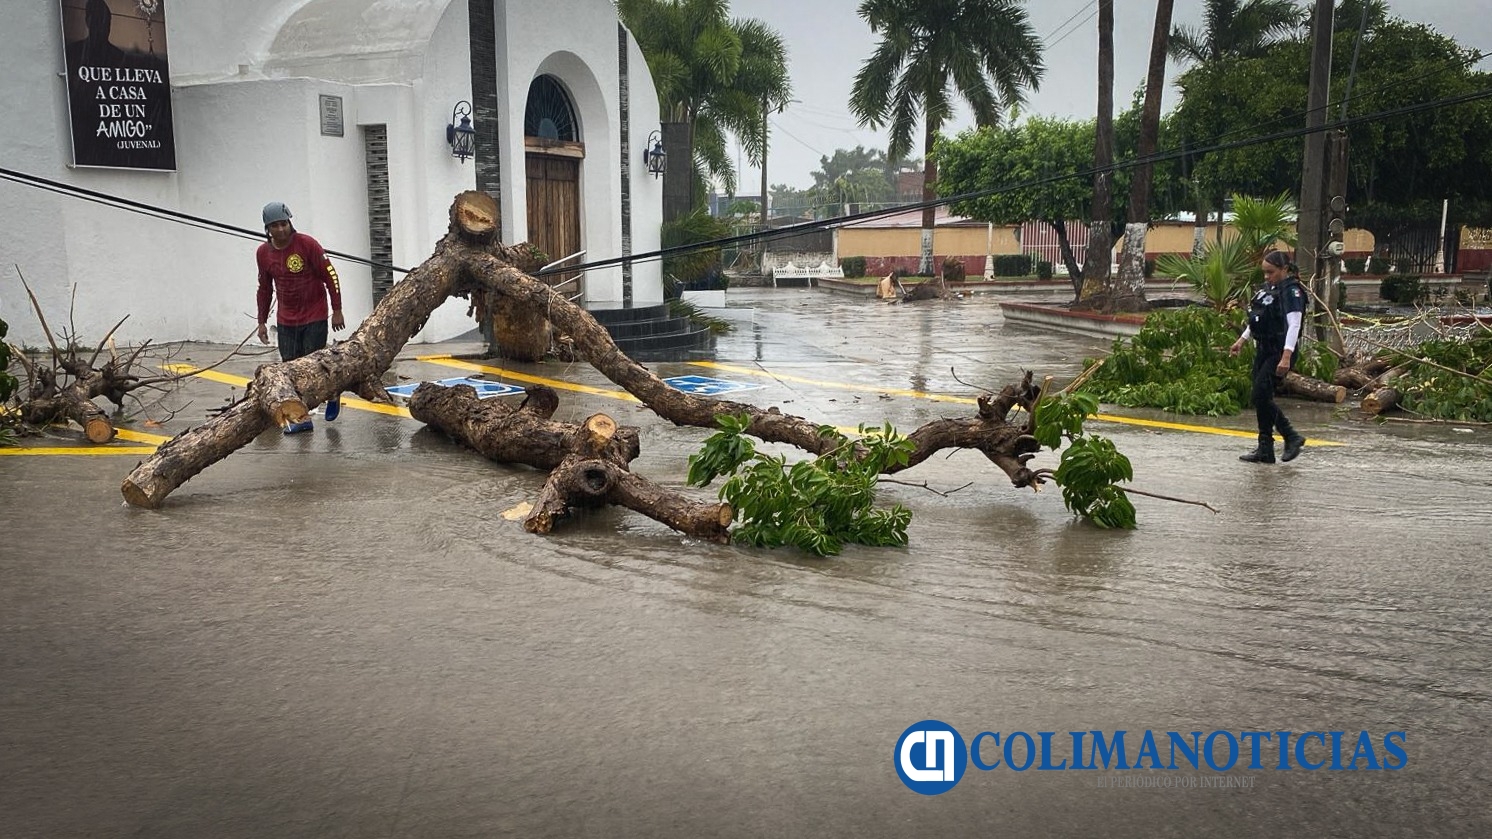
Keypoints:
pixel 1129 291
pixel 1100 241
pixel 469 261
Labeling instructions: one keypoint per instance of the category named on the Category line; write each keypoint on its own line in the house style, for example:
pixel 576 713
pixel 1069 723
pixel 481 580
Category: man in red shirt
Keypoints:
pixel 294 268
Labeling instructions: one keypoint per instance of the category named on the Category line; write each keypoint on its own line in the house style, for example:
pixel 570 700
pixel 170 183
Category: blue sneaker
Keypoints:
pixel 298 427
pixel 333 407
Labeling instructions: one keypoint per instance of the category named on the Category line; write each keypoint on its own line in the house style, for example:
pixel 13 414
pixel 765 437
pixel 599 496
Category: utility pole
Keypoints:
pixel 764 162
pixel 1310 253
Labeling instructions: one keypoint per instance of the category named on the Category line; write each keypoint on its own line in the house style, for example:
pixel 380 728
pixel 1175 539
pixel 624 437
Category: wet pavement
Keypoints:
pixel 338 634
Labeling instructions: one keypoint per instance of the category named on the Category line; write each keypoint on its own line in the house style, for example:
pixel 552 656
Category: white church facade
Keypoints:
pixel 340 109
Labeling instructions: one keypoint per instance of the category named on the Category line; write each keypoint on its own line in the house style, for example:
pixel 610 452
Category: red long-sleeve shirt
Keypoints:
pixel 302 278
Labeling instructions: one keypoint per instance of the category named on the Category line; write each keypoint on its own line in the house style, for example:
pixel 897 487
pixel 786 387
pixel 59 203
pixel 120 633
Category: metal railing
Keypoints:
pixel 578 280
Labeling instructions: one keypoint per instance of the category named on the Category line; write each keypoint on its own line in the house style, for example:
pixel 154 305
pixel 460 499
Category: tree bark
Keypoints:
pixel 1100 241
pixel 47 405
pixel 929 193
pixel 1129 292
pixel 1384 396
pixel 1359 374
pixel 1069 259
pixel 1315 390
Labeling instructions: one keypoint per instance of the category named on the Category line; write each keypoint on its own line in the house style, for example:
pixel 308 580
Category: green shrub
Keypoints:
pixel 853 266
pixel 1402 289
pixel 1043 269
pixel 1179 362
pixel 1354 265
pixel 1014 265
pixel 1149 268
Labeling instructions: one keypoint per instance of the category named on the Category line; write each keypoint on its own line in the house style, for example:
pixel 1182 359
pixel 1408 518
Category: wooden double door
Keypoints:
pixel 554 209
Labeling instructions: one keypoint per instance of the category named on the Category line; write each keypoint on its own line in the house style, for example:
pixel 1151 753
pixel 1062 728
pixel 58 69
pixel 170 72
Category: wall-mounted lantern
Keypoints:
pixel 653 156
pixel 461 136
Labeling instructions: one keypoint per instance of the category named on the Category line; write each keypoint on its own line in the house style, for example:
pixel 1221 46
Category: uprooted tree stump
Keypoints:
pixel 62 386
pixel 468 260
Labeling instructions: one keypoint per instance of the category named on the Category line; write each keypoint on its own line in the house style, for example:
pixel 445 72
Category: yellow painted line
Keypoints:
pixel 133 451
pixel 240 381
pixel 447 361
pixel 140 437
pixel 150 441
pixel 915 394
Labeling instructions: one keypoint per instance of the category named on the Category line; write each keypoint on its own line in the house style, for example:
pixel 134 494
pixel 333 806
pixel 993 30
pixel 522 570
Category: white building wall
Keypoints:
pixel 247 133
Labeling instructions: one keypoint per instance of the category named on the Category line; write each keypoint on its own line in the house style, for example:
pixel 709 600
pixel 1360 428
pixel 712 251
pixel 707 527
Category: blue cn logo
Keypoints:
pixel 930 757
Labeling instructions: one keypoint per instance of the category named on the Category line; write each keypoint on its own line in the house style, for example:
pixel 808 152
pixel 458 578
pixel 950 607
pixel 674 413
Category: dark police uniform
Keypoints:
pixel 1268 323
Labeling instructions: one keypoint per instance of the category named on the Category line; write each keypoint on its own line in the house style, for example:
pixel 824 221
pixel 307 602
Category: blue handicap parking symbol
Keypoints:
pixel 484 389
pixel 707 386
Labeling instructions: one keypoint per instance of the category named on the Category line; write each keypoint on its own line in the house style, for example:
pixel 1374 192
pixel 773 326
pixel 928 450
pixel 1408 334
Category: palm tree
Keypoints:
pixel 1225 270
pixel 715 77
pixel 1233 29
pixel 983 51
pixel 1131 291
pixel 1100 240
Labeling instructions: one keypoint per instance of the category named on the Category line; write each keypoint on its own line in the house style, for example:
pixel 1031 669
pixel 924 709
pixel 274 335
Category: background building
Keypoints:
pixel 339 108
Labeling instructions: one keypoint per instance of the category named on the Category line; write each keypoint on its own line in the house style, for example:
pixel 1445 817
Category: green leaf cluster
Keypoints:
pixel 1091 465
pixel 1178 362
pixel 818 505
pixel 1439 394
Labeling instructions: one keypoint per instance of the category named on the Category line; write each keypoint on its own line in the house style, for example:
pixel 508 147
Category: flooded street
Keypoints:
pixel 338 634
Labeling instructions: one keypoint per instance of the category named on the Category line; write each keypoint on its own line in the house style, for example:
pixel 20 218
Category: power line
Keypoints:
pixel 1162 156
pixel 1076 28
pixel 153 211
pixel 1149 160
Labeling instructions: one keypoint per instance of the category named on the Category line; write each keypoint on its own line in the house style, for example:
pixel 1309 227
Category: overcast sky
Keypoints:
pixel 827 41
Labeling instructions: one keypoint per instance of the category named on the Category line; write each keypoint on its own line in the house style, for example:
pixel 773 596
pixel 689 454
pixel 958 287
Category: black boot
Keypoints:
pixel 1262 454
pixel 1293 444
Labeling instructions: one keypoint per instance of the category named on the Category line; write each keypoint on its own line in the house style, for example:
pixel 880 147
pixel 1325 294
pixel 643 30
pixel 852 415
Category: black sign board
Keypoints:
pixel 118 84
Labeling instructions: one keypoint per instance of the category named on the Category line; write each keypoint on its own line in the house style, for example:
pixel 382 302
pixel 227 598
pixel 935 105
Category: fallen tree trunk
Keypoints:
pixel 1360 373
pixel 469 260
pixel 1383 396
pixel 283 393
pixel 587 463
pixel 1315 390
pixel 46 405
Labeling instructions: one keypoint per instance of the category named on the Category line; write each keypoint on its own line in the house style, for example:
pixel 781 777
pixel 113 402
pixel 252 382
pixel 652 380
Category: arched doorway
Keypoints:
pixel 553 152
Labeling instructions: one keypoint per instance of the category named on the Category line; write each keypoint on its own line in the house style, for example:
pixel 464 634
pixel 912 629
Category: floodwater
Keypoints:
pixel 338 634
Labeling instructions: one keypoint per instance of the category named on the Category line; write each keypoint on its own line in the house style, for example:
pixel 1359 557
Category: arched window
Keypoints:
pixel 549 114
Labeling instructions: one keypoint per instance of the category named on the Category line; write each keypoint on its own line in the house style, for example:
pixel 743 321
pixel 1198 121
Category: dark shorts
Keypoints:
pixel 296 341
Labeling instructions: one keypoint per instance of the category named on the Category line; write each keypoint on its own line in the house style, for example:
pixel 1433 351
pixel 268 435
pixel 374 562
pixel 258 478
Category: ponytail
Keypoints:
pixel 1279 260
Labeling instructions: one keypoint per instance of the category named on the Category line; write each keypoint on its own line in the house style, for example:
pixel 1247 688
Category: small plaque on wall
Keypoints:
pixel 331 116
